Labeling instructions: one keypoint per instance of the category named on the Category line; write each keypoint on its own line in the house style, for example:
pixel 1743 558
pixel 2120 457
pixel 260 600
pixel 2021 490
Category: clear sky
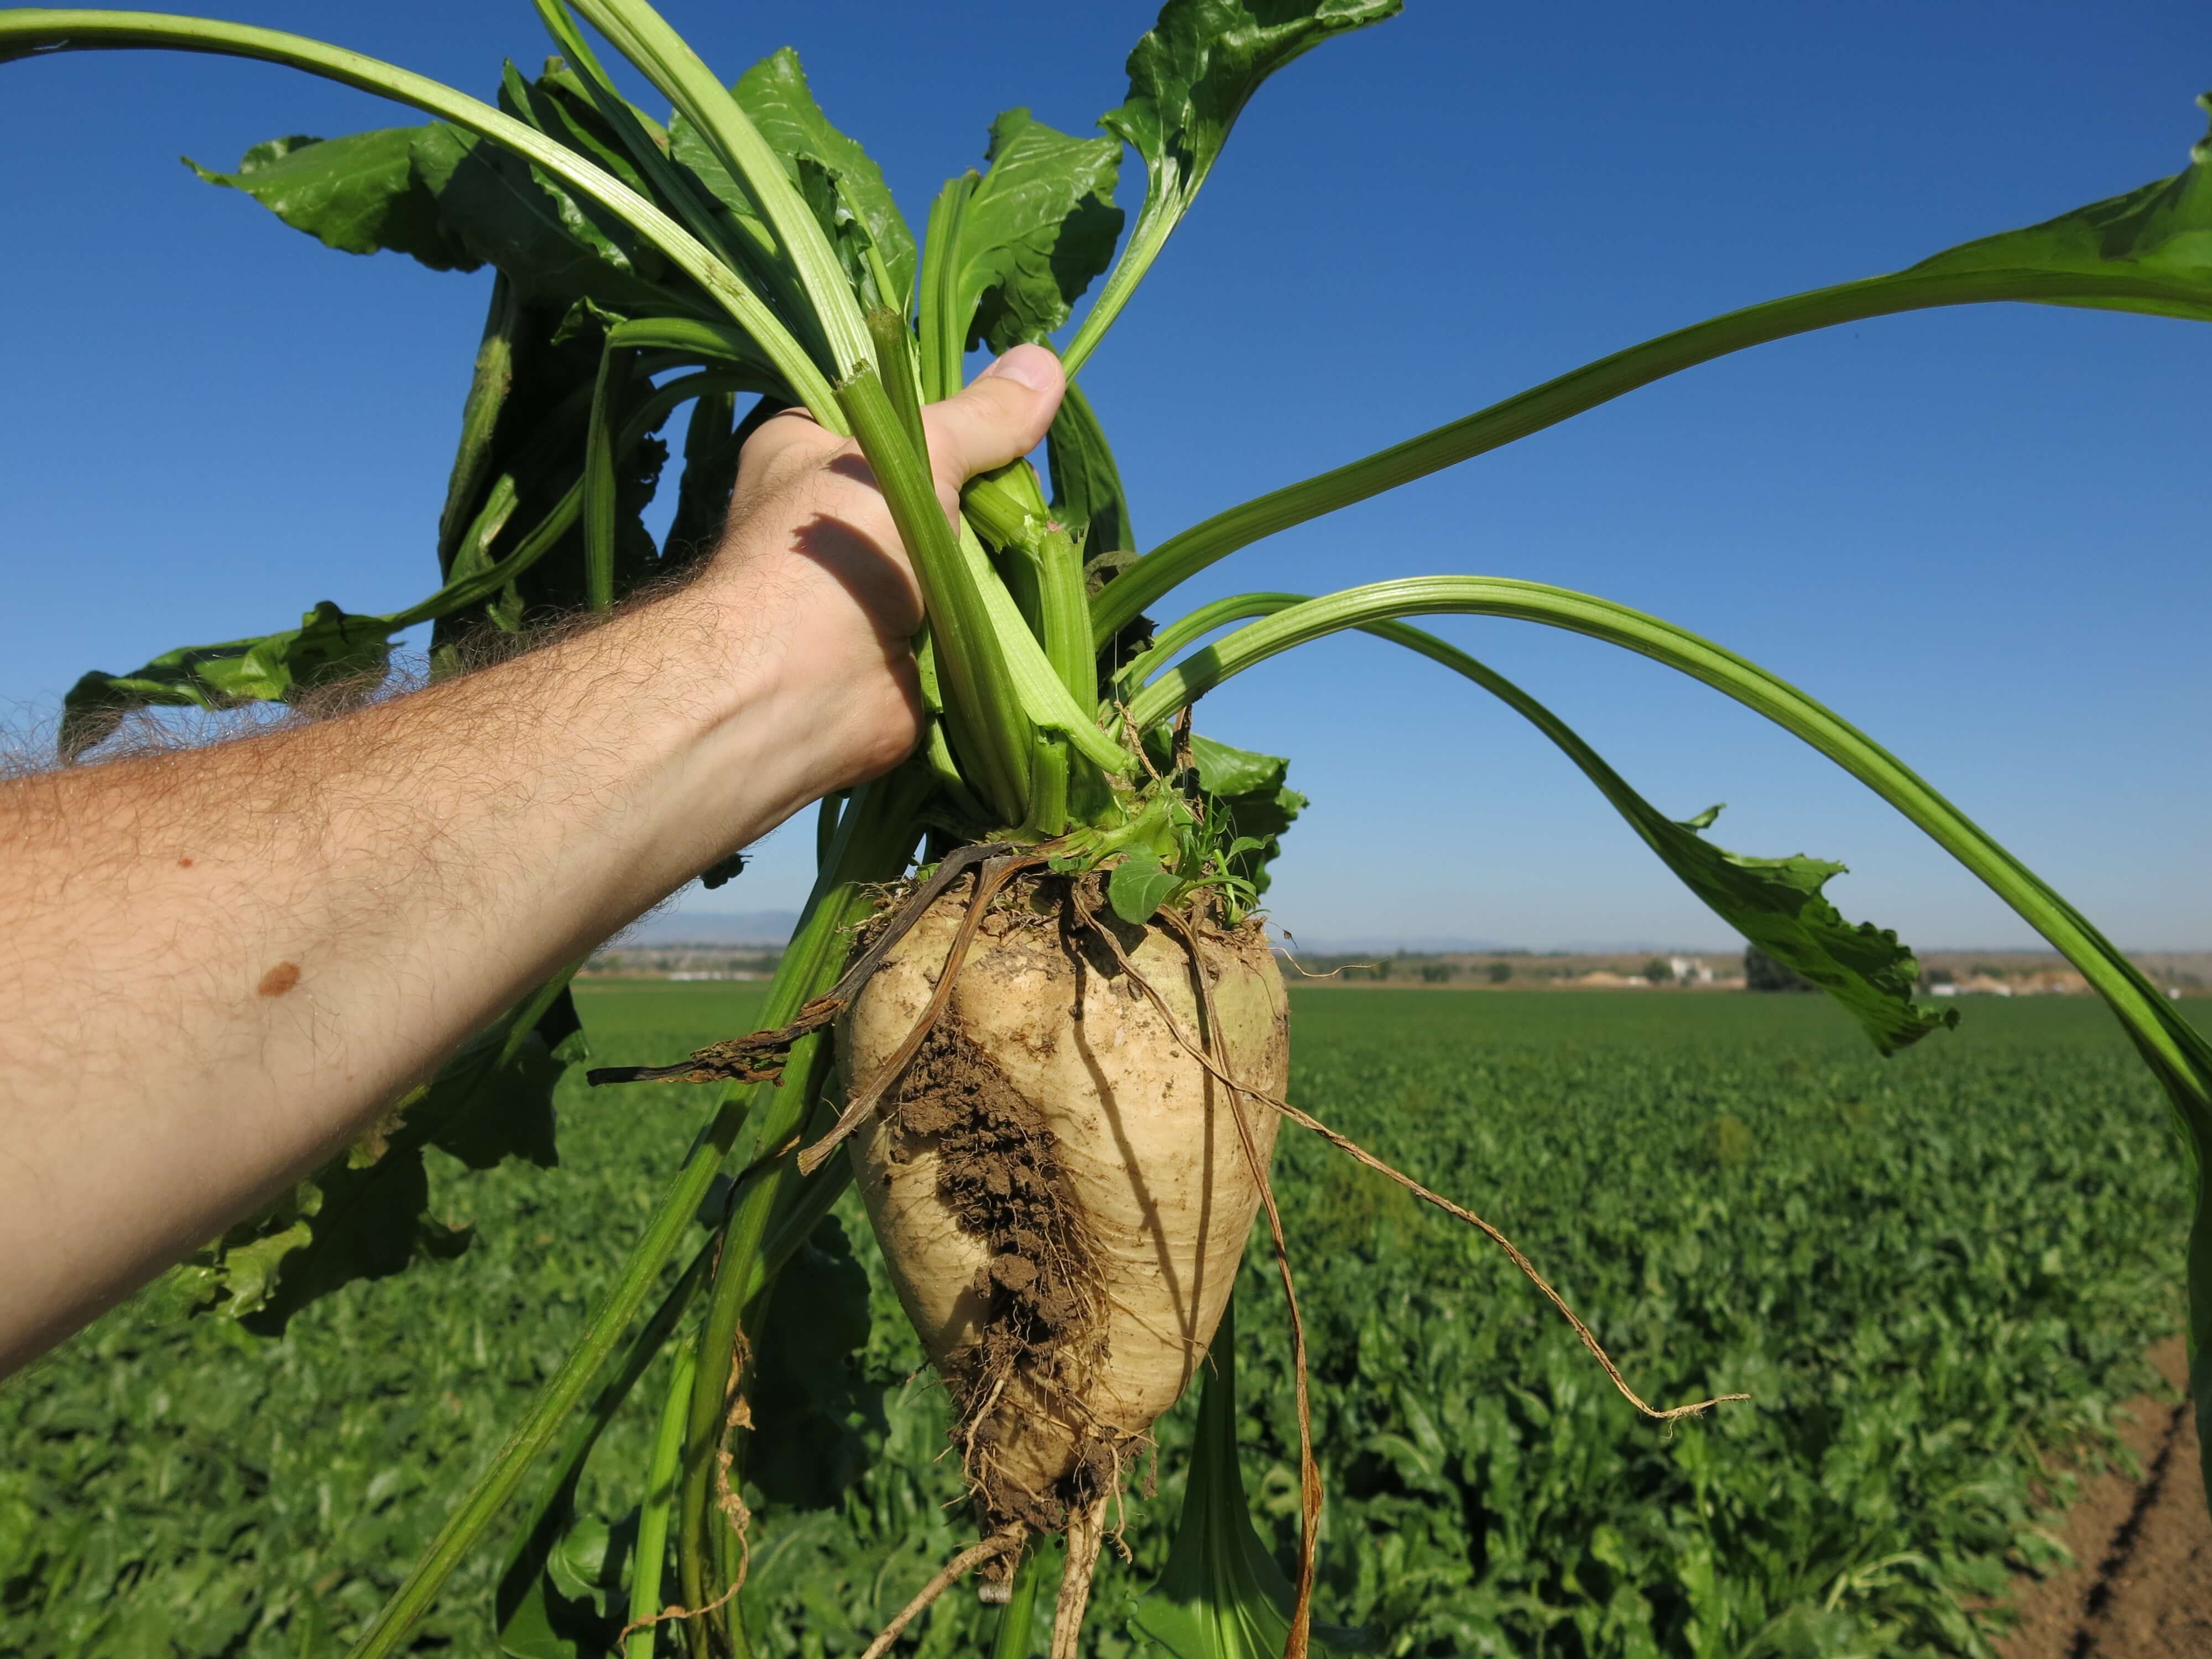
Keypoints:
pixel 1980 533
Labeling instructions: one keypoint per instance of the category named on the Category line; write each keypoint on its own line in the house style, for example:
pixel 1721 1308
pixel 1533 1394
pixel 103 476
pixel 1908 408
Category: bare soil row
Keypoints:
pixel 2141 1587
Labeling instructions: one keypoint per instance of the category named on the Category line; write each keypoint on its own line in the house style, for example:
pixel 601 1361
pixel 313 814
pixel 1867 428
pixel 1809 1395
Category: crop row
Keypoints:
pixel 1930 1274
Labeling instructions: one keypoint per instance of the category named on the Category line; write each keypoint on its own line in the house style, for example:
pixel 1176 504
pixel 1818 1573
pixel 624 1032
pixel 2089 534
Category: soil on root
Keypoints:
pixel 972 1086
pixel 2141 1587
pixel 1040 1344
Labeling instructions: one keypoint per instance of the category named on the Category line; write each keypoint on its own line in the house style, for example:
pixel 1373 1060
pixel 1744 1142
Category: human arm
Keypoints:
pixel 219 965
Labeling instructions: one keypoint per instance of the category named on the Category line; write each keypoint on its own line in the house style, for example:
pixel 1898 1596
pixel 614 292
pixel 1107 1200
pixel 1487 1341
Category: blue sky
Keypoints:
pixel 1980 533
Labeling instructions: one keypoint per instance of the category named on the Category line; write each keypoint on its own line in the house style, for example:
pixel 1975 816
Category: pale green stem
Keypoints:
pixel 601 505
pixel 696 337
pixel 989 727
pixel 2172 1046
pixel 38 29
pixel 660 1477
pixel 875 836
pixel 895 351
pixel 488 391
pixel 839 898
pixel 743 243
pixel 943 341
pixel 1183 555
pixel 702 1527
pixel 1156 223
pixel 666 60
pixel 1049 770
pixel 1018 1618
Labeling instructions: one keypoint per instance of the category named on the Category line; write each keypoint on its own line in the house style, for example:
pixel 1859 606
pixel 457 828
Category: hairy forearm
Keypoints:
pixel 217 967
pixel 220 963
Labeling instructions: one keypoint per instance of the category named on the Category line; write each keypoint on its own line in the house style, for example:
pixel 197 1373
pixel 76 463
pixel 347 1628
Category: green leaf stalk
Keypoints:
pixel 746 247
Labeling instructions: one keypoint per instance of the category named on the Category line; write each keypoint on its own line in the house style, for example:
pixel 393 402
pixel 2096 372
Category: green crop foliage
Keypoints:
pixel 1935 1272
pixel 741 245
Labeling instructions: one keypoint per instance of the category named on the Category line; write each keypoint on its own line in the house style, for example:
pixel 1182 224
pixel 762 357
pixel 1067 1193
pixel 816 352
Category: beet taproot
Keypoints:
pixel 1058 1183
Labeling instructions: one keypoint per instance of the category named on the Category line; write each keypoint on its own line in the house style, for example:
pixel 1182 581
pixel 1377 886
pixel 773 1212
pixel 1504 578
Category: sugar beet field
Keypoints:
pixel 1934 1275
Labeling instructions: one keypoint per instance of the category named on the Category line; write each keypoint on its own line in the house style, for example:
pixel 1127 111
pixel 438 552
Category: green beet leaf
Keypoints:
pixel 559 105
pixel 813 1408
pixel 1087 496
pixel 688 148
pixel 1222 1596
pixel 841 187
pixel 552 246
pixel 359 194
pixel 572 1607
pixel 1230 772
pixel 1139 886
pixel 1189 77
pixel 822 190
pixel 1041 225
pixel 1777 904
pixel 1260 805
pixel 2162 231
pixel 329 648
pixel 774 93
pixel 1192 73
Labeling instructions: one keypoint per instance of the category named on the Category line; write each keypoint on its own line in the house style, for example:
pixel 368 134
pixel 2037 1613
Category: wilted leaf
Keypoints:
pixel 358 194
pixel 328 647
pixel 364 1221
pixel 1777 904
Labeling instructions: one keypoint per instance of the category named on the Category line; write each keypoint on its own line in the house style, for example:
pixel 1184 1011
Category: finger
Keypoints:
pixel 1001 414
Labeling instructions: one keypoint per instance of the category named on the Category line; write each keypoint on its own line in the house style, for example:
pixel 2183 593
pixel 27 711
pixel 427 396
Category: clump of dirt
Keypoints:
pixel 1041 1342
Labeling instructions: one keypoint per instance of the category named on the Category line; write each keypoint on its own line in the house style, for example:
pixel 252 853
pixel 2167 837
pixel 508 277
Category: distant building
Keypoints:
pixel 1974 985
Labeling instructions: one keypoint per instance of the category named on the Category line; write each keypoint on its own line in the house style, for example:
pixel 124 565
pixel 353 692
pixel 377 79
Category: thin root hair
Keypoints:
pixel 1668 1414
pixel 953 1572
